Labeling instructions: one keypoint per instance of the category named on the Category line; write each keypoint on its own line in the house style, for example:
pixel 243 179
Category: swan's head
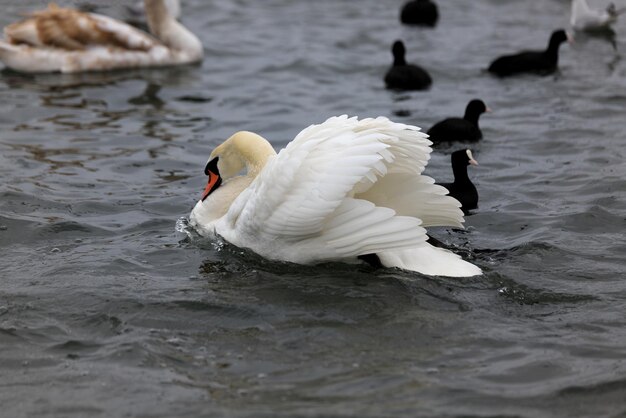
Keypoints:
pixel 242 151
pixel 173 8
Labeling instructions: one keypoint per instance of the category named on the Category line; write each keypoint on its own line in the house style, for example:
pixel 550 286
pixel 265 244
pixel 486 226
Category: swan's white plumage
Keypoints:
pixel 415 196
pixel 429 260
pixel 585 18
pixel 66 40
pixel 341 189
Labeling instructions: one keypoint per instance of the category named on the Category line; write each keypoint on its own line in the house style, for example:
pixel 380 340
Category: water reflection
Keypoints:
pixel 59 158
pixel 149 97
pixel 230 269
pixel 182 76
pixel 607 34
pixel 77 103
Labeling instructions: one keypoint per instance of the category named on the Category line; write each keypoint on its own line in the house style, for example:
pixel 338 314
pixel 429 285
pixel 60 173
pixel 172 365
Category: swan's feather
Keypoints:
pixel 322 166
pixel 416 196
pixel 359 227
pixel 429 260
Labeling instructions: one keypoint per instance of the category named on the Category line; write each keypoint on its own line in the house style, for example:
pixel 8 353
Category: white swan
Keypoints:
pixel 69 41
pixel 341 189
pixel 585 18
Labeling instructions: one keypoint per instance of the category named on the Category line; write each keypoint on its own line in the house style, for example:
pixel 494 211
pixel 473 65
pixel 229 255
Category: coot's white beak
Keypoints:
pixel 570 38
pixel 472 161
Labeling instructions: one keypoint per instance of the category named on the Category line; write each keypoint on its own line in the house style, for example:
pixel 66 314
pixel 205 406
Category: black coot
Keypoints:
pixel 419 12
pixel 541 62
pixel 460 129
pixel 403 76
pixel 462 189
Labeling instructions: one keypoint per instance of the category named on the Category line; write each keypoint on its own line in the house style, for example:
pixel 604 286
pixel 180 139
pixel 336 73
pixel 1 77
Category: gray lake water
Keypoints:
pixel 106 310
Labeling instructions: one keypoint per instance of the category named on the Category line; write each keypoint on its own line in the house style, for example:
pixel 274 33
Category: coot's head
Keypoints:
pixel 462 158
pixel 475 108
pixel 398 51
pixel 560 36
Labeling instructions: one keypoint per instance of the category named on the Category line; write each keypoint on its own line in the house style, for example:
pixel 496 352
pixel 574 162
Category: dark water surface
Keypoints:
pixel 106 310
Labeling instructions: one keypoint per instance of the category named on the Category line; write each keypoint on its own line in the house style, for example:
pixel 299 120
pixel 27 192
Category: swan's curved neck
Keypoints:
pixel 255 166
pixel 256 161
pixel 243 150
pixel 168 30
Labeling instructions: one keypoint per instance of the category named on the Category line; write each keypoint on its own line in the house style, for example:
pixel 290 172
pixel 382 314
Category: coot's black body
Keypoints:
pixel 462 189
pixel 464 129
pixel 403 76
pixel 540 62
pixel 419 12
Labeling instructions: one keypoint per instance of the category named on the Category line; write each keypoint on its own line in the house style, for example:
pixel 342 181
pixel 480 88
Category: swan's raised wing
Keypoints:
pixel 314 193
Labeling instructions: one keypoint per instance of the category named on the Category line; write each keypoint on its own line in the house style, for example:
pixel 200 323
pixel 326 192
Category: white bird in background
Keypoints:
pixel 69 41
pixel 339 190
pixel 586 19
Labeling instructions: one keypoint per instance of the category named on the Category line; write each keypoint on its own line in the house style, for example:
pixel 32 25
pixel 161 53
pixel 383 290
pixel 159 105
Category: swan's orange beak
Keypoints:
pixel 214 178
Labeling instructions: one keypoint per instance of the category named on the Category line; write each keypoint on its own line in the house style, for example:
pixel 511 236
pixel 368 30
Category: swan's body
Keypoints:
pixel 586 18
pixel 339 190
pixel 69 41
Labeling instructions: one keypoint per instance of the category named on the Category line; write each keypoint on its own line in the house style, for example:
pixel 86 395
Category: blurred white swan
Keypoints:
pixel 69 41
pixel 339 190
pixel 585 18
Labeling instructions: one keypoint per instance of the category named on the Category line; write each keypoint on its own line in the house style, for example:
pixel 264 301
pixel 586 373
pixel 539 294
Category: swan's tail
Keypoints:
pixel 429 260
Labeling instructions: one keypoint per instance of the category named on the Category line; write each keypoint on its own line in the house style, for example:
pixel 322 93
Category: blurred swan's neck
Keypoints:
pixel 164 26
